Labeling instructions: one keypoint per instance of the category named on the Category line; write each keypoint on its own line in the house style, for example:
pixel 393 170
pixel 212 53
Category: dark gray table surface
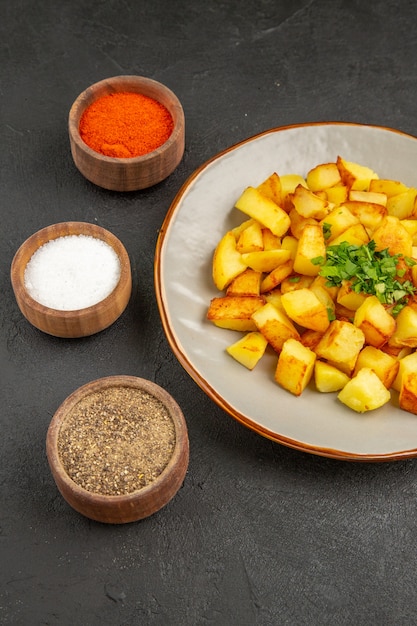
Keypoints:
pixel 259 534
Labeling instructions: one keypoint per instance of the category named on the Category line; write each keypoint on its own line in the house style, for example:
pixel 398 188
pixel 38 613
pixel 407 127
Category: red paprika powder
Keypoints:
pixel 125 125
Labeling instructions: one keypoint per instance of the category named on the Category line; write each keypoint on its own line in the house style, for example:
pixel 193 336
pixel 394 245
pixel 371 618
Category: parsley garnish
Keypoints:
pixel 370 271
pixel 327 230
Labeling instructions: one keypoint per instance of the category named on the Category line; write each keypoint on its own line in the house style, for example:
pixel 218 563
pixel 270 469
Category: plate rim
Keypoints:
pixel 182 357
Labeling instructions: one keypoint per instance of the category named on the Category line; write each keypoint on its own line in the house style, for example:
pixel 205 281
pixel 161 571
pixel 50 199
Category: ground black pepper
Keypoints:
pixel 116 441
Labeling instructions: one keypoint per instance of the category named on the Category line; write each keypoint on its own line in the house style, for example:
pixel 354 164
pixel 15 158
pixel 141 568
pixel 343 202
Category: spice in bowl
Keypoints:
pixel 126 132
pixel 116 441
pixel 125 125
pixel 71 279
pixel 72 272
pixel 118 449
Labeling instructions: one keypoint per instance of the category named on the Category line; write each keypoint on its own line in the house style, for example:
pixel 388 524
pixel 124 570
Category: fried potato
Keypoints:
pixel 275 325
pixel 295 366
pixel 323 330
pixel 234 312
pixel 364 392
pixel 248 349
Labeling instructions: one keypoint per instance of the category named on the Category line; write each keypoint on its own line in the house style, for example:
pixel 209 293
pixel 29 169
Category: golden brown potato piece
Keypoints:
pixel 408 392
pixel 369 214
pixel 323 176
pixel 308 204
pixel 227 261
pixel 264 210
pixel 387 186
pixel 295 367
pixel 407 365
pixel 275 278
pixel 250 239
pixel 384 365
pixel 328 378
pixel 340 345
pixel 354 175
pixel 275 325
pixel 374 321
pixel 405 334
pixel 266 260
pixel 249 349
pixel 391 234
pixel 338 221
pixel 310 245
pixel 271 188
pixel 234 312
pixel 305 309
pixel 364 392
pixel 348 298
pixel 247 283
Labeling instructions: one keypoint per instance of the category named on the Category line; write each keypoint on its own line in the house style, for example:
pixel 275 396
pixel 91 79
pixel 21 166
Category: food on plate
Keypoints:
pixel 322 273
pixel 248 349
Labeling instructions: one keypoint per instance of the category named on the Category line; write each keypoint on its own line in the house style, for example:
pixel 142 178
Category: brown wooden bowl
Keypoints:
pixel 127 174
pixel 79 322
pixel 120 509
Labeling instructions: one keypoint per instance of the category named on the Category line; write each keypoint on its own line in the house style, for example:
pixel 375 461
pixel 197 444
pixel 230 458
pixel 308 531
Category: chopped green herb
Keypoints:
pixel 327 230
pixel 294 279
pixel 331 314
pixel 370 271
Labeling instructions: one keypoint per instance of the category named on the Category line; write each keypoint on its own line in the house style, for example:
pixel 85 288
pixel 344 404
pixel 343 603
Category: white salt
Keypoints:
pixel 72 272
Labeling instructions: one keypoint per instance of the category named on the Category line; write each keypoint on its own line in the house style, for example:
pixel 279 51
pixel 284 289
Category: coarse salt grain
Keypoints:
pixel 72 272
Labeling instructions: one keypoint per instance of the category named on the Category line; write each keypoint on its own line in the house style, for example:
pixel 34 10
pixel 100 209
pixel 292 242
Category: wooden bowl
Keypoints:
pixel 136 505
pixel 74 323
pixel 128 174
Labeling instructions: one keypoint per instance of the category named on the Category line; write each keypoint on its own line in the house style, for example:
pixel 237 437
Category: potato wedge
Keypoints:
pixel 323 176
pixel 264 210
pixel 265 260
pixel 304 308
pixel 308 204
pixel 348 298
pixel 275 278
pixel 271 188
pixel 249 349
pixel 391 234
pixel 407 365
pixel 340 345
pixel 275 325
pixel 248 283
pixel 328 378
pixel 234 312
pixel 402 205
pixel 374 321
pixel 295 366
pixel 356 235
pixel 369 214
pixel 251 239
pixel 387 186
pixel 310 245
pixel 385 366
pixel 408 393
pixel 354 175
pixel 364 392
pixel 337 221
pixel 227 261
pixel 405 334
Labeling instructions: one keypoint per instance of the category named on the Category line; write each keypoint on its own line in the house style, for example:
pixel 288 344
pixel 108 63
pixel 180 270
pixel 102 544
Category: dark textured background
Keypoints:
pixel 259 534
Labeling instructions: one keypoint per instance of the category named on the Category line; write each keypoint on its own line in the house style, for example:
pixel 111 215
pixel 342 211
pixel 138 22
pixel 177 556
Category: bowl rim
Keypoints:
pixel 106 85
pixel 181 445
pixel 79 228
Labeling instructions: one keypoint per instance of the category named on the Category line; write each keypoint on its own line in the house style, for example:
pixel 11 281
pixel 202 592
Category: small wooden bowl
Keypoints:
pixel 120 509
pixel 127 174
pixel 80 322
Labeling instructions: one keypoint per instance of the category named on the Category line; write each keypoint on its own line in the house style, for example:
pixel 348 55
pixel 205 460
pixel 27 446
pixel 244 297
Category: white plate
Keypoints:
pixel 201 213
